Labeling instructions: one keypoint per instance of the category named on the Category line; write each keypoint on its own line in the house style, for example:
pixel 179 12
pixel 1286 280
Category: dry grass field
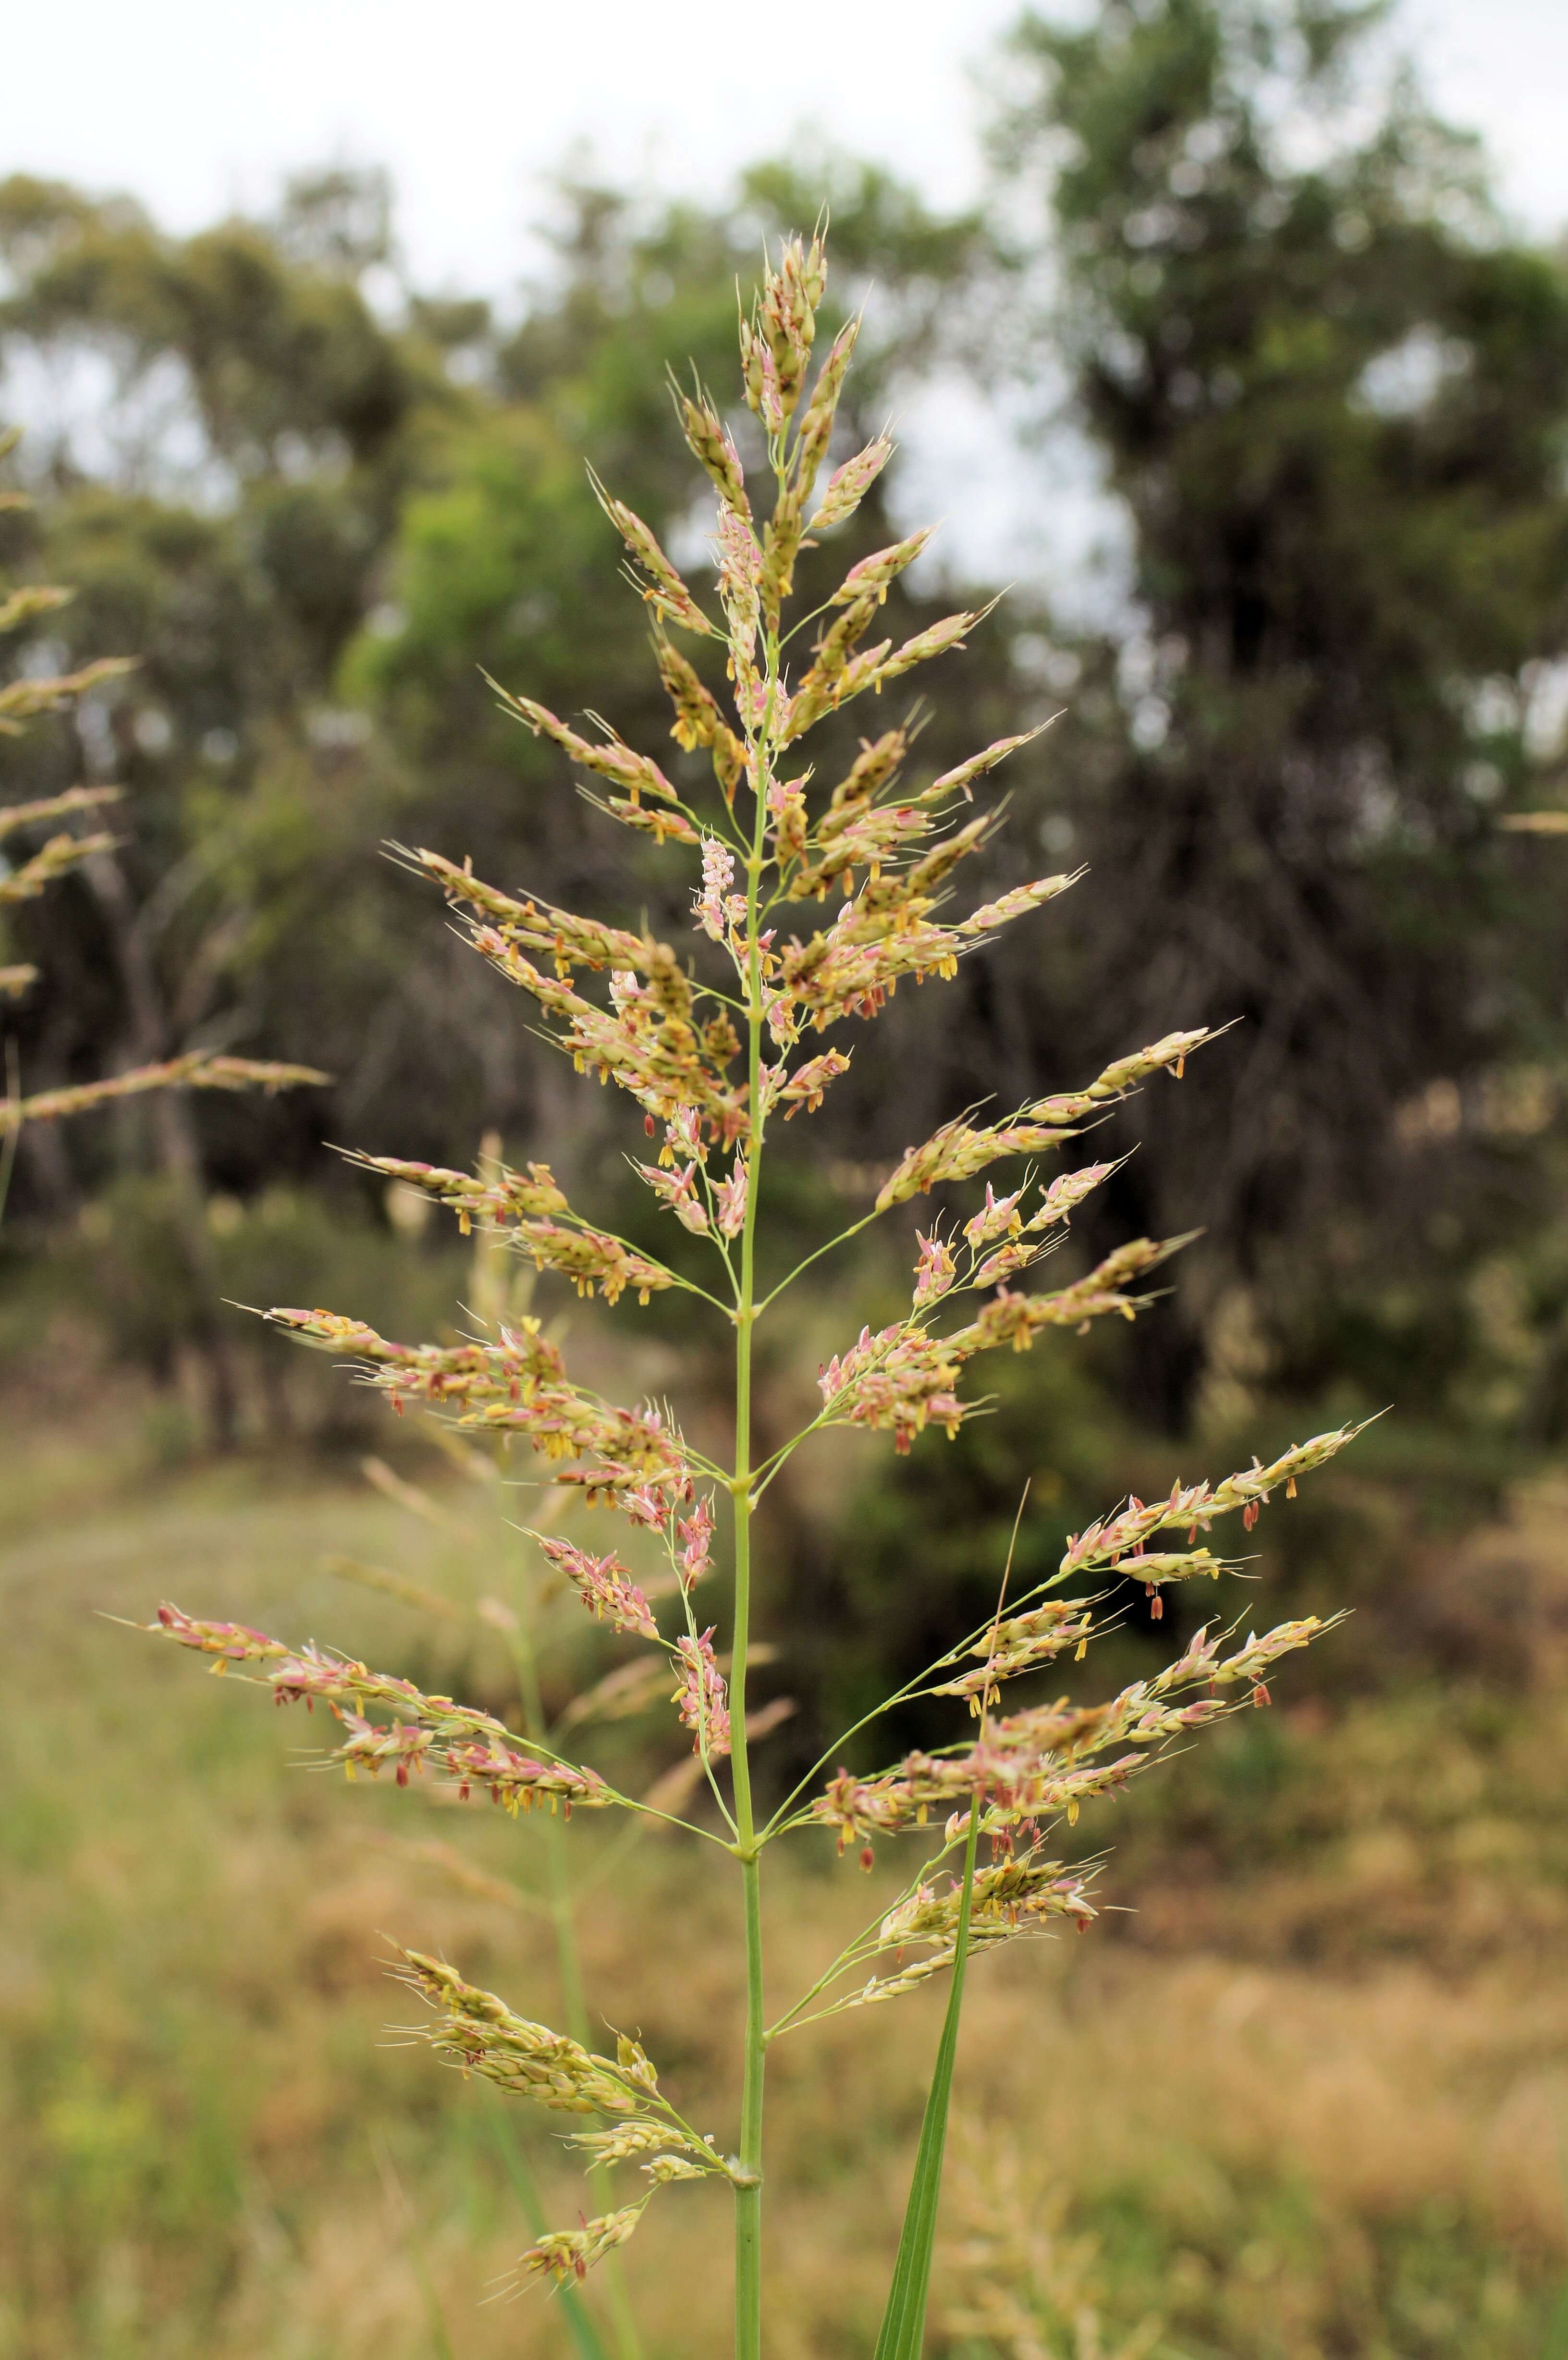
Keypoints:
pixel 1303 2096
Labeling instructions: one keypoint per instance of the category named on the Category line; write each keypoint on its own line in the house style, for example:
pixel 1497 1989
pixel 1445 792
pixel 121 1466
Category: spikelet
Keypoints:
pixel 705 1706
pixel 959 780
pixel 563 2253
pixel 604 1584
pixel 849 484
pixel 874 576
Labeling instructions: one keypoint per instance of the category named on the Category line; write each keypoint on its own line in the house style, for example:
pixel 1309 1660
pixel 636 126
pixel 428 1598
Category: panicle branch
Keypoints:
pixel 958 1151
pixel 699 722
pixel 199 1069
pixel 640 774
pixel 648 1041
pixel 522 1212
pixel 903 1378
pixel 23 700
pixel 776 343
pixel 1118 1540
pixel 632 1459
pixel 1022 1644
pixel 1033 1766
pixel 47 807
pixel 473 1747
pixel 480 2032
pixel 55 859
pixel 493 1197
pixel 25 604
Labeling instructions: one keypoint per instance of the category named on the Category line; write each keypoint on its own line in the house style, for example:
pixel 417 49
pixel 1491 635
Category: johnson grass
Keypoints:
pixel 706 1882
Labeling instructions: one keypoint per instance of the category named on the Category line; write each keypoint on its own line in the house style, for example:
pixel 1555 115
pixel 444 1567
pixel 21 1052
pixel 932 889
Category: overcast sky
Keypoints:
pixel 200 106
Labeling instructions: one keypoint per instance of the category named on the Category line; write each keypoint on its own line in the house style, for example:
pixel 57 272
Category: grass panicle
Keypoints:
pixel 810 905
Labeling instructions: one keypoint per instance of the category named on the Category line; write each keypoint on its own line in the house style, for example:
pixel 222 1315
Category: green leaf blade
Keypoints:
pixel 904 2320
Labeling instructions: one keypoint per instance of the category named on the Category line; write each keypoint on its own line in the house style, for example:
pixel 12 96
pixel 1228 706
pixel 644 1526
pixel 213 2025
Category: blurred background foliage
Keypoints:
pixel 1323 384
pixel 1325 387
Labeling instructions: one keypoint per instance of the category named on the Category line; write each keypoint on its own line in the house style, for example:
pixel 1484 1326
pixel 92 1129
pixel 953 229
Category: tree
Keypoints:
pixel 1332 394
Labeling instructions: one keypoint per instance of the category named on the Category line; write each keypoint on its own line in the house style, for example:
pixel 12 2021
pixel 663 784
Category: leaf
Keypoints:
pixel 904 2320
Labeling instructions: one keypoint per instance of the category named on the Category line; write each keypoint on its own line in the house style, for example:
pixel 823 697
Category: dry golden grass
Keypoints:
pixel 1311 2101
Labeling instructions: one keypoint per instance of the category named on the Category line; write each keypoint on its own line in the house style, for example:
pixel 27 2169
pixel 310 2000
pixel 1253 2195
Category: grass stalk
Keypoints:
pixel 748 2198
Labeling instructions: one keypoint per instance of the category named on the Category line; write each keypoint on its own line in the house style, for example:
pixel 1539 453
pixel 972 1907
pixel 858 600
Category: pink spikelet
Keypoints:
pixel 998 1213
pixel 729 1200
pixel 696 1534
pixel 717 908
pixel 934 1271
pixel 604 1586
pixel 676 1190
pixel 683 1136
pixel 705 1705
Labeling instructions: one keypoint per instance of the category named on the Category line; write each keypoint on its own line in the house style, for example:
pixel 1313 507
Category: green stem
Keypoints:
pixel 749 2199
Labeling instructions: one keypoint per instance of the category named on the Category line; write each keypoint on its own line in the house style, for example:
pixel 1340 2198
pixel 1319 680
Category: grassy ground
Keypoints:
pixel 1308 2099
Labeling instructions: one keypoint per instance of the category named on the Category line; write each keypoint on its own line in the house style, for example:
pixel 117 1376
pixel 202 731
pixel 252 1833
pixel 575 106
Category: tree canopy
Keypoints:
pixel 1327 385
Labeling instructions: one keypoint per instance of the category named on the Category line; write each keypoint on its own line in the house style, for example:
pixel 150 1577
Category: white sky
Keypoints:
pixel 199 106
